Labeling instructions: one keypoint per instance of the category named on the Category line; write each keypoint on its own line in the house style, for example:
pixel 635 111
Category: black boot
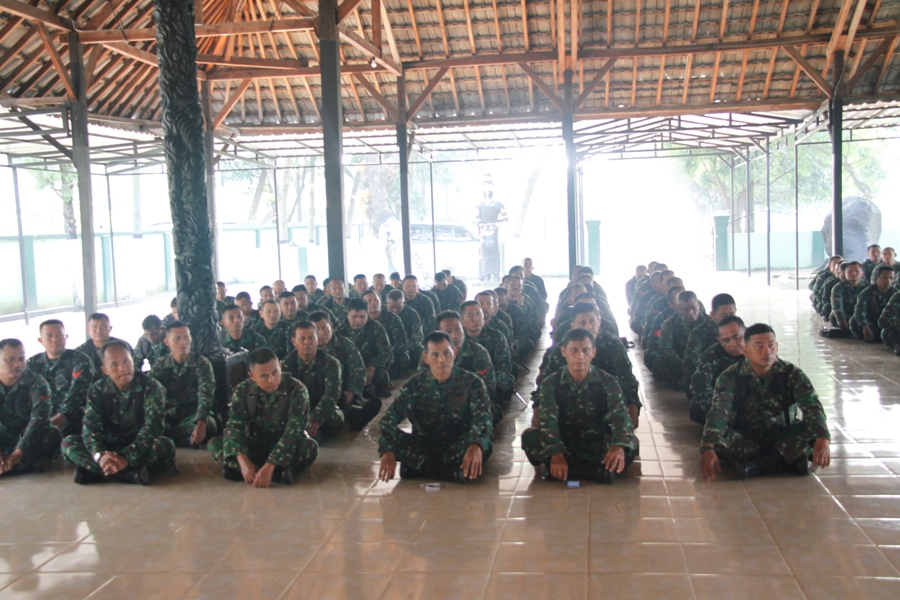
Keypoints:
pixel 605 476
pixel 745 469
pixel 84 476
pixel 547 475
pixel 232 474
pixel 407 472
pixel 443 472
pixel 770 464
pixel 799 467
pixel 139 476
pixel 359 417
pixel 283 475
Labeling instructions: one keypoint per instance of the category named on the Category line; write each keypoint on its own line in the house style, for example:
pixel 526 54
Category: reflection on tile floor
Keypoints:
pixel 658 532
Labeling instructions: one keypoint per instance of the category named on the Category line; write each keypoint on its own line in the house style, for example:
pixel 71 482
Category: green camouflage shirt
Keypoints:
pixel 890 316
pixel 278 420
pixel 372 342
pixel 473 358
pixel 449 298
pixel 700 338
pixel 412 323
pixel 843 299
pixel 423 305
pixel 498 349
pixel 762 408
pixel 502 316
pixel 277 339
pixel 322 378
pixel 393 325
pixel 673 336
pixel 145 350
pixel 500 326
pixel 440 412
pixel 338 311
pixel 126 421
pixel 353 369
pixel 69 377
pixel 712 362
pixel 574 418
pixel 825 296
pixel 870 304
pixel 249 340
pixel 93 353
pixel 24 412
pixel 190 387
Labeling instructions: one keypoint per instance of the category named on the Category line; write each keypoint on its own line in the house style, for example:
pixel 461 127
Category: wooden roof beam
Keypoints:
pixel 55 59
pixel 367 48
pixel 389 34
pixel 525 24
pixel 345 8
pixel 240 74
pixel 26 11
pixel 868 63
pixel 592 84
pixel 440 15
pixel 838 31
pixel 809 70
pixel 557 102
pixel 263 63
pixel 415 106
pixel 230 102
pixel 389 110
pixel 469 26
pixel 148 34
pixel 415 28
pixel 497 25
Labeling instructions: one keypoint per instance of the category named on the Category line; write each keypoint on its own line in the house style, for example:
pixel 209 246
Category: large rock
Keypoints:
pixel 862 227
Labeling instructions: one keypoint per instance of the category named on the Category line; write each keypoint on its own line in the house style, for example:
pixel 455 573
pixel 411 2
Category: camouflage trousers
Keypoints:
pixel 856 328
pixel 304 455
pixel 699 406
pixel 890 337
pixel 381 383
pixel 181 431
pixel 47 447
pixel 531 444
pixel 790 442
pixel 417 452
pixel 332 424
pixel 668 368
pixel 400 365
pixel 415 355
pixel 159 457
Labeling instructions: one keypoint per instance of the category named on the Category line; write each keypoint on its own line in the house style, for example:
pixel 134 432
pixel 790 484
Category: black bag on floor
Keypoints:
pixel 834 333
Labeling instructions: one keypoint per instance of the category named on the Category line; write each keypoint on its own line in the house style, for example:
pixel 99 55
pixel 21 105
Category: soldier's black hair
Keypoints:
pixel 576 335
pixel 585 271
pixel 662 266
pixel 357 304
pixel 265 287
pixel 413 277
pixel 299 288
pixel 151 322
pixel 267 302
pixel 873 246
pixel 174 325
pixel 446 314
pixel 640 268
pixel 325 282
pixel 359 276
pixel 729 320
pixel 313 277
pixel 673 291
pixel 394 275
pixel 114 344
pixel 285 295
pixel 849 263
pixel 436 337
pixel 439 276
pixel 261 356
pixel 501 291
pixel 377 275
pixel 722 300
pixel 228 308
pixel 98 316
pixel 319 315
pixel 222 283
pixel 686 296
pixel 371 293
pixel 467 304
pixel 333 279
pixel 584 307
pixel 51 322
pixel 174 302
pixel 490 293
pixel 515 268
pixel 303 325
pixel 243 296
pixel 656 276
pixel 13 343
pixel 756 329
pixel 395 295
pixel 584 295
pixel 667 272
pixel 447 272
pixel 879 270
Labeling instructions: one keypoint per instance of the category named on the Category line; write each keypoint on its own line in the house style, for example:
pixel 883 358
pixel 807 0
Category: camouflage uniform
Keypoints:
pixel 611 357
pixel 673 337
pixel 322 378
pixel 254 321
pixel 221 305
pixel 129 423
pixel 145 350
pixel 318 297
pixel 563 327
pixel 447 417
pixel 25 422
pixel 435 301
pixel 824 306
pixel 869 305
pixel 338 311
pixel 277 339
pixel 498 349
pixel 190 389
pixel 815 285
pixel 650 337
pixel 843 301
pixel 502 327
pixel 93 353
pixel 461 286
pixel 522 344
pixel 249 340
pixel 868 268
pixel 353 370
pixel 449 298
pixel 700 338
pixel 658 305
pixel 507 320
pixel 375 349
pixel 643 297
pixel 267 428
pixel 711 364
pixel 474 358
pixel 412 324
pixel 425 307
pixel 538 283
pixel 751 416
pixel 889 321
pixel 69 377
pixel 393 325
pixel 582 421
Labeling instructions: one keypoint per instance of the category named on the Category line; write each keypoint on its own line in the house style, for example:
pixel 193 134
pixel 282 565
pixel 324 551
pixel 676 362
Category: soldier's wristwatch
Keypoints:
pixel 97 456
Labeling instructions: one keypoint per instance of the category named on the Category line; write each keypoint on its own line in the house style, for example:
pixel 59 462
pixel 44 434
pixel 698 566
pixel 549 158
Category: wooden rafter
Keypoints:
pixel 743 73
pixel 533 76
pixel 480 89
pixel 389 34
pixel 854 24
pixel 455 94
pixel 809 70
pixel 496 13
pixel 376 25
pixel 415 28
pixel 867 64
pixel 469 26
pixel 774 55
pixel 148 34
pixel 884 65
pixel 506 89
pixel 390 111
pixel 686 86
pixel 440 14
pixel 592 84
pixel 230 102
pixel 525 26
pixel 20 9
pixel 415 106
pixel 838 30
pixel 346 7
pixel 363 45
pixel 55 59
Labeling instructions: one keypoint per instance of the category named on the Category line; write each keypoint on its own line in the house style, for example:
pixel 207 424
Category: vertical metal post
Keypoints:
pixel 277 220
pixel 568 133
pixel 796 219
pixel 403 147
pixel 731 190
pixel 209 155
pixel 15 176
pixel 749 200
pixel 332 133
pixel 112 240
pixel 768 216
pixel 81 159
pixel 837 155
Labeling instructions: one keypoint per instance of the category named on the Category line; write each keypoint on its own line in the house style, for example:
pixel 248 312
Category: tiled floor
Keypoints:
pixel 658 532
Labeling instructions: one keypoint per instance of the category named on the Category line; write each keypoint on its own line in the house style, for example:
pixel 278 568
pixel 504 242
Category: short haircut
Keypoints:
pixel 394 275
pixel 511 277
pixel 651 266
pixel 299 288
pixel 378 276
pixel 673 292
pixel 515 268
pixel 371 293
pixel 114 344
pixel 439 276
pixel 686 296
pixel 52 322
pixel 576 335
pixel 584 307
pixel 667 273
pixel 722 300
pixel 881 269
pixel 413 277
pixel 174 302
pixel 395 295
pixel 228 308
pixel 333 279
pixel 873 246
pixel 267 302
pixel 662 266
pixel 222 283
pixel 757 329
pixel 303 325
pixel 446 314
pixel 447 272
pixel 849 263
pixel 261 356
pixel 11 343
pixel 265 287
pixel 358 277
pixel 835 257
pixel 436 337
pixel 174 325
pixel 319 315
pixel 640 268
pixel 151 322
pixel 98 316
pixel 243 296
pixel 500 291
pixel 729 320
pixel 490 293
pixel 326 281
pixel 285 294
pixel 888 248
pixel 585 271
pixel 584 296
pixel 468 303
pixel 656 277
pixel 358 304
pixel 313 277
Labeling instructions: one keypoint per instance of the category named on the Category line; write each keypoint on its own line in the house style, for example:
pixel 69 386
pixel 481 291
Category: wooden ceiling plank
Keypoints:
pixel 414 107
pixel 415 28
pixel 55 59
pixel 867 64
pixel 592 84
pixel 388 109
pixel 230 102
pixel 809 70
pixel 533 76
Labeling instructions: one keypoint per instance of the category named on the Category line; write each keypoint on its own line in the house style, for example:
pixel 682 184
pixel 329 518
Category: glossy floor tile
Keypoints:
pixel 658 532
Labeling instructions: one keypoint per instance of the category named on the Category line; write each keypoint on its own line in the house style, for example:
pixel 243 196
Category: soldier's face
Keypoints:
pixel 245 305
pixel 528 266
pixel 888 255
pixel 357 319
pixel 589 321
pixel 361 285
pixel 410 288
pixel 306 341
pixel 374 302
pixel 221 292
pixel 53 339
pixel 179 342
pixel 454 328
pixel 502 301
pixel 233 321
pixel 731 338
pixel 439 358
pixel 473 319
pixel 486 302
pixel 266 294
pixel 118 365
pixel 270 314
pixel 690 310
pixel 98 330
pixel 854 274
pixel 884 281
pixel 12 362
pixel 874 254
pixel 379 284
pixel 574 292
pixel 396 283
pixel 288 307
pixel 154 335
pixel 761 351
pixel 515 289
pixel 325 332
pixel 311 284
pixel 278 288
pixel 267 376
pixel 578 355
pixel 337 291
pixel 395 306
pixel 640 273
pixel 302 300
pixel 726 310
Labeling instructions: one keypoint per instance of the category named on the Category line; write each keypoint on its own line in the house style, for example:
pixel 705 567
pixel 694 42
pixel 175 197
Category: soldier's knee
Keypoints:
pixel 70 442
pixel 165 447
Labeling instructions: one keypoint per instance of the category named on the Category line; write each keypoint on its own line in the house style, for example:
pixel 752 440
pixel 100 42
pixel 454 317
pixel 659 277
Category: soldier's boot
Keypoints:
pixel 358 417
pixel 547 475
pixel 580 470
pixel 84 476
pixel 799 467
pixel 496 413
pixel 369 392
pixel 407 472
pixel 769 464
pixel 232 474
pixel 139 476
pixel 183 441
pixel 283 475
pixel 698 413
pixel 444 472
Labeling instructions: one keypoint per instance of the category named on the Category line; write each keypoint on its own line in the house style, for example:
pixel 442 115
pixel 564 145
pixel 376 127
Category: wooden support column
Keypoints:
pixel 209 159
pixel 182 121
pixel 332 133
pixel 568 133
pixel 836 126
pixel 403 148
pixel 81 159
